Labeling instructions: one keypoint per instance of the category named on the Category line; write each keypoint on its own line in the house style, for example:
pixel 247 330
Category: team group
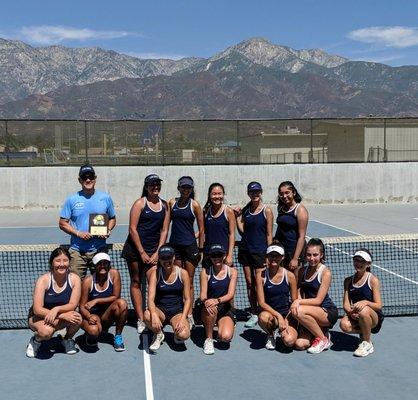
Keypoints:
pixel 287 280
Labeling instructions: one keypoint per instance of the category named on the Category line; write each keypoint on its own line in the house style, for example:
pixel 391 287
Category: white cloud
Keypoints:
pixel 389 36
pixel 382 59
pixel 49 34
pixel 155 56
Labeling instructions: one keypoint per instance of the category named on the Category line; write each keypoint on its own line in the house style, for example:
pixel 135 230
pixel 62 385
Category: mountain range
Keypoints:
pixel 253 79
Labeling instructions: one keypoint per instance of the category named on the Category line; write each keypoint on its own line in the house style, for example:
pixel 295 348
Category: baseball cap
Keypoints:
pixel 364 255
pixel 166 252
pixel 152 178
pixel 86 169
pixel 100 257
pixel 217 248
pixel 253 186
pixel 274 248
pixel 186 181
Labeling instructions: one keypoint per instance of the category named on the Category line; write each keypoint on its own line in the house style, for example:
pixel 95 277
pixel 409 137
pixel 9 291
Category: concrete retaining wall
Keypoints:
pixel 47 187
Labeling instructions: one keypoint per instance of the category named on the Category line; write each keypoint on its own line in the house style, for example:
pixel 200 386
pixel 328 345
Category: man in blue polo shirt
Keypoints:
pixel 75 217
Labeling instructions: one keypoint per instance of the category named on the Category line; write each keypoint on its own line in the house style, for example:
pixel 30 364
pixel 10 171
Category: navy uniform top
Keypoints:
pixel 254 237
pixel 182 227
pixel 216 230
pixel 364 292
pixel 277 295
pixel 309 288
pixel 218 287
pixel 169 296
pixel 54 299
pixel 95 293
pixel 287 232
pixel 149 226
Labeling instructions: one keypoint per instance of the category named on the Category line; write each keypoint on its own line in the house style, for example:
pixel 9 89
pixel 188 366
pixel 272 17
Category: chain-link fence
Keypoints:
pixel 185 142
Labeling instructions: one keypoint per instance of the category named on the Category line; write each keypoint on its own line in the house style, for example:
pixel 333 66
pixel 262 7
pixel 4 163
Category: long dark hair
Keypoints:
pixel 192 193
pixel 57 252
pixel 296 195
pixel 208 202
pixel 317 242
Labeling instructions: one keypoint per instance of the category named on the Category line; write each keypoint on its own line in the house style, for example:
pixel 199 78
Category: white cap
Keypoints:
pixel 275 249
pixel 100 257
pixel 364 255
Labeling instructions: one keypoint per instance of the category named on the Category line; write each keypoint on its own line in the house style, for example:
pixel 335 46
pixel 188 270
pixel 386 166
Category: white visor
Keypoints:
pixel 100 257
pixel 275 249
pixel 364 255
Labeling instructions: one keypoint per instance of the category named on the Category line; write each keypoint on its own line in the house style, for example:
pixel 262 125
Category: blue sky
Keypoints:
pixel 383 31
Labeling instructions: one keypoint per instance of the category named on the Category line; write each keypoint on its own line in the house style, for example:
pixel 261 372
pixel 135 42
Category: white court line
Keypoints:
pixel 336 227
pixel 147 369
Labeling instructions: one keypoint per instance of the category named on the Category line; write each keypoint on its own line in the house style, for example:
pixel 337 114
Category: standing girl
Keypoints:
pixel 184 211
pixel 362 303
pixel 219 224
pixel 255 224
pixel 148 227
pixel 314 309
pixel 292 221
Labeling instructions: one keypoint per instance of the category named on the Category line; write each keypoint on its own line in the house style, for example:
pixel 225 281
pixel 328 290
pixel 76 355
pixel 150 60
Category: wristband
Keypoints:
pixel 200 249
pixel 219 300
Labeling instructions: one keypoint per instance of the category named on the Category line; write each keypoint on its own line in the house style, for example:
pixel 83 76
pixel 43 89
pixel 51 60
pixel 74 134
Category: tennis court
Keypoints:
pixel 245 369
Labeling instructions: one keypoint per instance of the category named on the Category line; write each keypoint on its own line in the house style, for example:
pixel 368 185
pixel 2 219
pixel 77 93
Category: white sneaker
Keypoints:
pixel 140 326
pixel 252 322
pixel 208 347
pixel 191 321
pixel 319 345
pixel 157 341
pixel 364 349
pixel 270 343
pixel 33 347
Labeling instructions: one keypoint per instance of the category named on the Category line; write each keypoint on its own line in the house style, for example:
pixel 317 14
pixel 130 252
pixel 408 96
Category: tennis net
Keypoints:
pixel 395 262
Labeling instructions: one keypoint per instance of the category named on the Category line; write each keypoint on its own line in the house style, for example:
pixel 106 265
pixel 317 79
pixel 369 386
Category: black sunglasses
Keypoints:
pixel 90 177
pixel 217 255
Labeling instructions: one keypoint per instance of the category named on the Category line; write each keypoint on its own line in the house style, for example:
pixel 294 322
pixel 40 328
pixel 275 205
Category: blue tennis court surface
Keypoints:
pixel 245 370
pixel 242 370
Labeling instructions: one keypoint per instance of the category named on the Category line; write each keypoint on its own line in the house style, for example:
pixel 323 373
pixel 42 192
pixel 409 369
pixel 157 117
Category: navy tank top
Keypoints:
pixel 254 238
pixel 54 299
pixel 149 226
pixel 216 230
pixel 169 296
pixel 182 227
pixel 363 292
pixel 218 287
pixel 309 288
pixel 287 232
pixel 100 294
pixel 277 295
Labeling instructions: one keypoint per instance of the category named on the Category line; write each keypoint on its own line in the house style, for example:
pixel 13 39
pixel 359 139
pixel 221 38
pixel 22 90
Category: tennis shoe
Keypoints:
pixel 364 349
pixel 157 341
pixel 69 346
pixel 118 344
pixel 319 345
pixel 270 343
pixel 140 326
pixel 252 322
pixel 208 347
pixel 33 347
